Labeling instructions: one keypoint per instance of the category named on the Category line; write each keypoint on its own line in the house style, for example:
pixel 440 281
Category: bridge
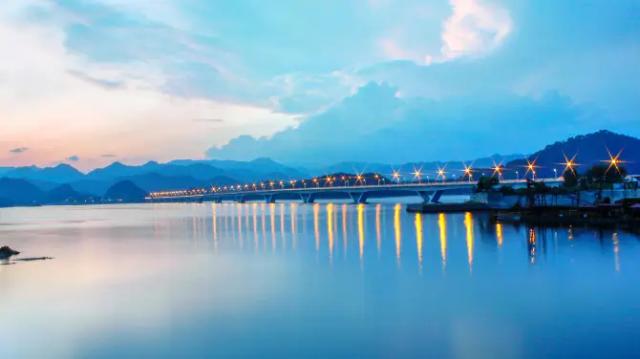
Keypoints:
pixel 429 192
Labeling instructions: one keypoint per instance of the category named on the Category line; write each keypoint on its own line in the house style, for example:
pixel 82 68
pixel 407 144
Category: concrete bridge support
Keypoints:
pixel 436 196
pixel 425 195
pixel 270 198
pixel 307 197
pixel 359 197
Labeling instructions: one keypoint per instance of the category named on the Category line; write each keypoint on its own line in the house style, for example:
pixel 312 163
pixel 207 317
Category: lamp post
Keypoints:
pixel 396 176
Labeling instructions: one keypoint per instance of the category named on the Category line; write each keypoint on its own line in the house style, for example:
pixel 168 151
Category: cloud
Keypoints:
pixel 108 155
pixel 73 158
pixel 208 120
pixel 474 29
pixel 103 83
pixel 19 150
pixel 377 125
pixel 53 94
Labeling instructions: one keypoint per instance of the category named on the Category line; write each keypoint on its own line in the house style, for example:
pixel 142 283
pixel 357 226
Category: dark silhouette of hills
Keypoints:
pixel 589 149
pixel 63 184
pixel 66 194
pixel 19 192
pixel 407 168
pixel 124 191
pixel 61 173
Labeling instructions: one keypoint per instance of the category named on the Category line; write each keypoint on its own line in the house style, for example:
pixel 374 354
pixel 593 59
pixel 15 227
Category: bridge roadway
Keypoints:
pixel 429 192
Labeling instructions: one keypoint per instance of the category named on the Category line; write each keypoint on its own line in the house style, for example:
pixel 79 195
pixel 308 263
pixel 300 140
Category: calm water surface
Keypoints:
pixel 286 279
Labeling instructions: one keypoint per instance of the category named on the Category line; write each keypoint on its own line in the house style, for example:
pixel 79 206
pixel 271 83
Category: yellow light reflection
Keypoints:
pixel 378 227
pixel 532 245
pixel 214 223
pixel 293 215
pixel 616 250
pixel 499 235
pixel 294 218
pixel 239 216
pixel 419 237
pixel 282 230
pixel 344 229
pixel 255 225
pixel 397 224
pixel 272 220
pixel 316 224
pixel 442 225
pixel 263 211
pixel 468 224
pixel 361 229
pixel 330 228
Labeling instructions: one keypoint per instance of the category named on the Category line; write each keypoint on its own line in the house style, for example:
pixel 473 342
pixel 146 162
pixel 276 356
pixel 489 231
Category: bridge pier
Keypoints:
pixel 358 197
pixel 307 198
pixel 436 196
pixel 425 195
pixel 270 198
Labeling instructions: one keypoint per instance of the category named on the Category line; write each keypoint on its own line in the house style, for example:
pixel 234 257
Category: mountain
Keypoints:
pixel 409 167
pixel 589 149
pixel 66 194
pixel 19 192
pixel 249 171
pixel 124 191
pixel 61 173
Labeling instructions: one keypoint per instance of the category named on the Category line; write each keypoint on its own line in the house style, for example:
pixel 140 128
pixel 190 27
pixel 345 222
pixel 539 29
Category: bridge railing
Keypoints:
pixel 198 193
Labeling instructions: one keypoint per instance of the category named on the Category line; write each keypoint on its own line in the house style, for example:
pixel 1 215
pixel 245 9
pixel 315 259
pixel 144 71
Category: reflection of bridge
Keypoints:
pixel 429 192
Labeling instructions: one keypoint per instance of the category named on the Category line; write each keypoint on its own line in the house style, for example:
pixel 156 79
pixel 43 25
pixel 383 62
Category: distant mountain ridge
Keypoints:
pixel 588 150
pixel 63 183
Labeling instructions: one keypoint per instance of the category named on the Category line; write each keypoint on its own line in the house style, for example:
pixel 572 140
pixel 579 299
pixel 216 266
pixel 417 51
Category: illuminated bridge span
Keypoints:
pixel 429 192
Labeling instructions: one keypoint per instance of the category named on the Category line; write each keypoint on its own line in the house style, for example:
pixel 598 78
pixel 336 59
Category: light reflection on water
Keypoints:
pixel 329 279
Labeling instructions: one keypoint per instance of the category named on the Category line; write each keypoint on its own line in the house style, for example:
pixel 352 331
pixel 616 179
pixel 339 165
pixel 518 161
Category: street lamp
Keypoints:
pixel 614 161
pixel 569 164
pixel 468 171
pixel 417 173
pixel 531 167
pixel 396 176
pixel 442 174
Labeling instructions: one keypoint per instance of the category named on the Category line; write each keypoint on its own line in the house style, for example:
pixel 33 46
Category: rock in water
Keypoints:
pixel 6 252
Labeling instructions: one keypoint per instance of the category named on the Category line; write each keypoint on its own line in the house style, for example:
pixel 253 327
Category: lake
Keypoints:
pixel 318 280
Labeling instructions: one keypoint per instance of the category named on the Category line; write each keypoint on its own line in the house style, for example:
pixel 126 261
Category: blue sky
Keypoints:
pixel 311 82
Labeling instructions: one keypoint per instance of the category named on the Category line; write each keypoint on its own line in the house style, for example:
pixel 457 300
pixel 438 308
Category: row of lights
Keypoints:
pixel 569 164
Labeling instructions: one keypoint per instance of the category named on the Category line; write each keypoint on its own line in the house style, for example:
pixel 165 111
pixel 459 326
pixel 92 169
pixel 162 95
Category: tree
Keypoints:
pixel 486 183
pixel 603 174
pixel 570 179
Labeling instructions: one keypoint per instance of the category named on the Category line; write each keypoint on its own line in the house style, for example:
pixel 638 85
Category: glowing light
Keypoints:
pixel 531 167
pixel 396 176
pixel 330 228
pixel 419 236
pixel 468 172
pixel 360 210
pixel 614 161
pixel 468 224
pixel 397 227
pixel 417 173
pixel 497 168
pixel 569 164
pixel 442 225
pixel 316 225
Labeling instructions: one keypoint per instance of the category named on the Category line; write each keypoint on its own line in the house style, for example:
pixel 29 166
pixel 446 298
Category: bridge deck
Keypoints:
pixel 358 193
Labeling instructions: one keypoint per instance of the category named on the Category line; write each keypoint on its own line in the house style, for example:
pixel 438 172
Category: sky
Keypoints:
pixel 310 82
